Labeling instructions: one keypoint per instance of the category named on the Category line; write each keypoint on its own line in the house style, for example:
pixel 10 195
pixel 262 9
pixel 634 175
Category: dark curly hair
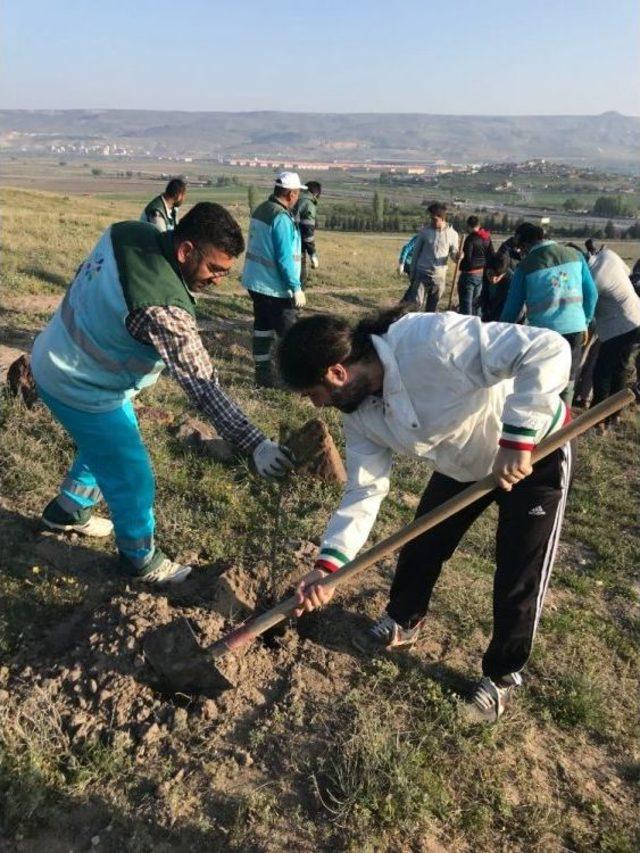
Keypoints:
pixel 313 344
pixel 175 187
pixel 211 224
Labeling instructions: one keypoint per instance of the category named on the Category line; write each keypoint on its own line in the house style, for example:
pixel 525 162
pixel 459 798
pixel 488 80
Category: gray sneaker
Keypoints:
pixel 489 699
pixel 385 635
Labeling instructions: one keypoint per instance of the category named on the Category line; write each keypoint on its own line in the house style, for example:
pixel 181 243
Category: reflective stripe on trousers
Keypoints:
pixel 262 342
pixel 111 458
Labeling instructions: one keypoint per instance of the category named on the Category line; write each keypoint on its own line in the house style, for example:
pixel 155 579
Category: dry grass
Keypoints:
pixel 373 756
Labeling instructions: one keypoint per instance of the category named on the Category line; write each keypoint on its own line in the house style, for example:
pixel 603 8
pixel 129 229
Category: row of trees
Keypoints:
pixel 224 181
pixel 364 222
pixel 612 205
pixel 361 219
pixel 383 216
pixel 604 205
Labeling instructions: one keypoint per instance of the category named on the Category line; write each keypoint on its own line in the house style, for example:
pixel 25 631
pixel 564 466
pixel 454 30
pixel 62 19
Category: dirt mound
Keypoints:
pixel 237 594
pixel 154 414
pixel 98 666
pixel 202 437
pixel 315 452
pixel 20 381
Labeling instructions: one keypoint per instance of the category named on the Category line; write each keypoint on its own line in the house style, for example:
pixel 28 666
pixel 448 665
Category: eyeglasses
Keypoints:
pixel 214 270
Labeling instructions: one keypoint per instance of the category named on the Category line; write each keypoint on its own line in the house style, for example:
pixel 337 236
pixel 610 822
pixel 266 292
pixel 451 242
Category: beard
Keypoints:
pixel 189 270
pixel 349 397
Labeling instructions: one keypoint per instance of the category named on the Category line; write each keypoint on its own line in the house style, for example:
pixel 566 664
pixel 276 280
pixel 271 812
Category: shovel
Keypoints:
pixel 455 276
pixel 180 661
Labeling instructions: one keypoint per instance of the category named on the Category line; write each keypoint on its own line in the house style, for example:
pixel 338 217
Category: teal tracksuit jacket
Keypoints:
pixel 273 259
pixel 553 282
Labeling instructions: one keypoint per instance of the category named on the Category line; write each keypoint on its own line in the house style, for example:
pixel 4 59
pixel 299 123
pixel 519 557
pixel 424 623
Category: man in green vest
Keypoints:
pixel 306 214
pixel 162 211
pixel 128 314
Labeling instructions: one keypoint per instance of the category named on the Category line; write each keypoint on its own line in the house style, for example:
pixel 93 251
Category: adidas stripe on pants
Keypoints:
pixel 529 523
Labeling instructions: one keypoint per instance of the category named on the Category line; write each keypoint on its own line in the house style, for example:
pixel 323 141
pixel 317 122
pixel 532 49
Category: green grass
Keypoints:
pixel 378 760
pixel 38 757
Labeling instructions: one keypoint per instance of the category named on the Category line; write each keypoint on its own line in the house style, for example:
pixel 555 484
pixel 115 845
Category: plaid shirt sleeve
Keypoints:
pixel 174 334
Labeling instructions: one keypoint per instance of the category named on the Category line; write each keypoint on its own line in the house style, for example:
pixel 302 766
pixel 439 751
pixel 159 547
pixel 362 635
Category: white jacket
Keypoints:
pixel 453 389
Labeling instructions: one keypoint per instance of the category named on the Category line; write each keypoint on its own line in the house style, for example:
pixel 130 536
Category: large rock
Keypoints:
pixel 202 437
pixel 315 452
pixel 20 381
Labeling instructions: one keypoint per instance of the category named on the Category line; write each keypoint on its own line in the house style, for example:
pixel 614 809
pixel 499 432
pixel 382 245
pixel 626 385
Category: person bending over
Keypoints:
pixel 471 398
pixel 553 284
pixel 128 314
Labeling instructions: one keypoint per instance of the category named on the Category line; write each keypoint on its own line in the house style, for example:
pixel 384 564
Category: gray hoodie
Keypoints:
pixel 618 306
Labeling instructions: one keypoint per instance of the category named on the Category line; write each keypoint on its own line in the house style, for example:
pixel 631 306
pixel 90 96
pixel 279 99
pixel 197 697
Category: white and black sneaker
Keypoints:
pixel 489 699
pixel 160 570
pixel 165 572
pixel 81 521
pixel 386 634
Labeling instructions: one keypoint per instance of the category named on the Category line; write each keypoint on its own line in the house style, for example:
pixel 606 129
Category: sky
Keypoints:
pixel 503 57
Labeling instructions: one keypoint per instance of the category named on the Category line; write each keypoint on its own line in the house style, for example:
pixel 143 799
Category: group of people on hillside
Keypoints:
pixel 472 397
pixel 280 250
pixel 425 260
pixel 587 297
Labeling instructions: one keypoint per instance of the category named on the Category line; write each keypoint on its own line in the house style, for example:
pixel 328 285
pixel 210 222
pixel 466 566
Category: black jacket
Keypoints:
pixel 493 297
pixel 477 249
pixel 509 249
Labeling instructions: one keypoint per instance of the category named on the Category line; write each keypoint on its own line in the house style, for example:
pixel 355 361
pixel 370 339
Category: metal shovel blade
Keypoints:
pixel 185 667
pixel 180 664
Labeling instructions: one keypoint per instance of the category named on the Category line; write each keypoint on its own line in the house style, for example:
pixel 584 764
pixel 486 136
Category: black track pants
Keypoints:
pixel 529 523
pixel 271 313
pixel 610 371
pixel 575 341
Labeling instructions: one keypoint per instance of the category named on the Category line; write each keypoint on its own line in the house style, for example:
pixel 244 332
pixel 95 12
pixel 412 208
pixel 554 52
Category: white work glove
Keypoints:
pixel 299 299
pixel 271 459
pixel 315 263
pixel 400 269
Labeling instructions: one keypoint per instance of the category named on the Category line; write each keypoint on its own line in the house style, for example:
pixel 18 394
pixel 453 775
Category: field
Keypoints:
pixel 316 748
pixel 344 192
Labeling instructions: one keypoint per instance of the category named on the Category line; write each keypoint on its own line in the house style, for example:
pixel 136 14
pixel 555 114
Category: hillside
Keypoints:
pixel 607 139
pixel 316 748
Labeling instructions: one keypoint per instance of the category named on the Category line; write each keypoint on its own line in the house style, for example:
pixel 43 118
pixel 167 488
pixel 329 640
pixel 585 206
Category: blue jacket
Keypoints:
pixel 85 357
pixel 553 282
pixel 406 252
pixel 273 259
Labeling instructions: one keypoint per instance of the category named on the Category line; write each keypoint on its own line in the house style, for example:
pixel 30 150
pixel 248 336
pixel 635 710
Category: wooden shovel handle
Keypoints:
pixel 455 275
pixel 257 625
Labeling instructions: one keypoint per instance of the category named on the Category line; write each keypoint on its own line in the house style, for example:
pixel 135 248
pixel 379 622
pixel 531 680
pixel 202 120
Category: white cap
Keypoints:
pixel 289 181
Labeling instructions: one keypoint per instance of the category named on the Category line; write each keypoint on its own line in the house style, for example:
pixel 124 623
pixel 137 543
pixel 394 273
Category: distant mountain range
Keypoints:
pixel 609 139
